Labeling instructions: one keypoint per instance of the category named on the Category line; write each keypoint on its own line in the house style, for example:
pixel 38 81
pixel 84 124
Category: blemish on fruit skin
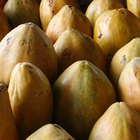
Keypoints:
pixel 50 3
pixel 124 60
pixel 57 126
pixel 137 72
pixel 8 40
pixel 3 88
pixel 30 69
pixel 100 35
pixel 123 11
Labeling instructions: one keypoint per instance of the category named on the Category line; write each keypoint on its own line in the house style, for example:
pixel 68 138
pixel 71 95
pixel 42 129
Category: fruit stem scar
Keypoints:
pixel 100 35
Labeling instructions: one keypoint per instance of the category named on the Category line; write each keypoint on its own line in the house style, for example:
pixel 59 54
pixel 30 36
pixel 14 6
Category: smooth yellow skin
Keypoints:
pixel 97 7
pixel 8 130
pixel 73 45
pixel 122 57
pixel 31 98
pixel 81 95
pixel 119 122
pixel 129 84
pixel 50 132
pixel 68 17
pixel 27 43
pixel 111 37
pixel 48 8
pixel 134 7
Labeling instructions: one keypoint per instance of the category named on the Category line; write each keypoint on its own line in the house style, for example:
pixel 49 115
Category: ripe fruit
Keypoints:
pixel 117 123
pixel 96 8
pixel 68 17
pixel 22 11
pixel 31 98
pixel 27 43
pixel 8 130
pixel 49 8
pixel 73 45
pixel 128 84
pixel 122 57
pixel 81 95
pixel 50 132
pixel 115 28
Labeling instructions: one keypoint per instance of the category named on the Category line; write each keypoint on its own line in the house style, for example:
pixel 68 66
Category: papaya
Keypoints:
pixel 122 57
pixel 96 8
pixel 118 122
pixel 115 28
pixel 50 132
pixel 68 17
pixel 49 8
pixel 73 45
pixel 8 129
pixel 27 43
pixel 22 11
pixel 128 84
pixel 82 93
pixel 30 97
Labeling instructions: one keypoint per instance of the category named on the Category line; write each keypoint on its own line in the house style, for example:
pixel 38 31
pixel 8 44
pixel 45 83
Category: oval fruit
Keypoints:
pixel 73 45
pixel 122 57
pixel 50 132
pixel 31 98
pixel 117 123
pixel 115 28
pixel 128 84
pixel 81 95
pixel 96 8
pixel 22 11
pixel 48 8
pixel 27 43
pixel 68 17
pixel 8 130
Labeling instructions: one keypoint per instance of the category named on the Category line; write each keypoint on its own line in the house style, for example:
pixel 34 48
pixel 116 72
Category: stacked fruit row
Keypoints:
pixel 69 69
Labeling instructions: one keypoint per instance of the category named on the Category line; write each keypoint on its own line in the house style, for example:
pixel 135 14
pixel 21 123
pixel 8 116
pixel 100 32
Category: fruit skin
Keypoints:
pixel 123 56
pixel 50 132
pixel 111 37
pixel 73 45
pixel 4 25
pixel 68 17
pixel 81 95
pixel 49 8
pixel 128 84
pixel 30 97
pixel 8 130
pixel 134 7
pixel 96 8
pixel 27 43
pixel 22 11
pixel 118 122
